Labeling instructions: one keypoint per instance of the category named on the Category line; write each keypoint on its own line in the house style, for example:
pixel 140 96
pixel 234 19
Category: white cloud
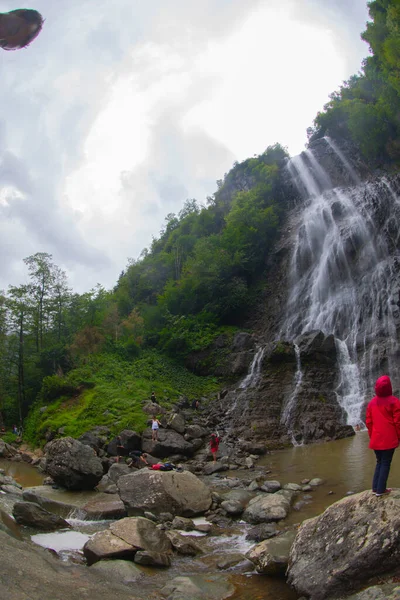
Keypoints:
pixel 115 115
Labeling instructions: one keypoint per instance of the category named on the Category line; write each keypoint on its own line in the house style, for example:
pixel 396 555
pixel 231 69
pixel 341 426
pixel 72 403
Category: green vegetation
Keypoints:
pixel 366 108
pixel 110 391
pixel 73 361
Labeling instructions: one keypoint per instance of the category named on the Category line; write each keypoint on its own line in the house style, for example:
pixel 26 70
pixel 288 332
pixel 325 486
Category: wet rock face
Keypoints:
pixel 260 413
pixel 354 540
pixel 73 465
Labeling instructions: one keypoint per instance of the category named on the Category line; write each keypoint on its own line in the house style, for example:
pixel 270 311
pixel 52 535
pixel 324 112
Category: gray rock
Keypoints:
pixel 105 508
pixel 73 465
pixel 33 515
pixel 267 508
pixel 169 442
pixel 6 450
pixel 230 560
pixel 121 570
pixel 124 538
pixel 262 532
pixel 183 544
pixel 183 523
pixel 177 423
pixel 198 587
pixel 196 431
pixel 12 489
pixel 354 540
pixel 271 486
pixel 242 341
pixel 214 467
pixel 105 545
pixel 378 592
pixel 142 534
pixel 130 440
pixel 232 507
pixel 182 493
pixel 253 486
pixel 152 559
pixel 271 556
pixel 30 572
pixel 316 482
pixel 292 487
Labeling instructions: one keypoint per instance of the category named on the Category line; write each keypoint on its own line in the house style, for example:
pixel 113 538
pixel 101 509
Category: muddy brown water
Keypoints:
pixel 346 467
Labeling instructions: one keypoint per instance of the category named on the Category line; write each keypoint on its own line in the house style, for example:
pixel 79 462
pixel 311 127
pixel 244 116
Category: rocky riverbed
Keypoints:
pixel 246 544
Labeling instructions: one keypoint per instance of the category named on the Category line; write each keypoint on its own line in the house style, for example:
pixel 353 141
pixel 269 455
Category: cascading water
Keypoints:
pixel 250 381
pixel 344 265
pixel 286 416
pixel 253 375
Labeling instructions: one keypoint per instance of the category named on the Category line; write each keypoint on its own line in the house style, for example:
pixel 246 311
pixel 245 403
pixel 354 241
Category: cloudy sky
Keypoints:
pixel 119 111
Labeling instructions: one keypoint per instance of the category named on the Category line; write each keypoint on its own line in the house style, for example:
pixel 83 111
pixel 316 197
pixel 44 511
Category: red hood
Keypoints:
pixel 383 386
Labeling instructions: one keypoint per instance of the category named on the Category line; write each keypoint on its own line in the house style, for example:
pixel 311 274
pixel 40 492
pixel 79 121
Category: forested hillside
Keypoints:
pixel 93 358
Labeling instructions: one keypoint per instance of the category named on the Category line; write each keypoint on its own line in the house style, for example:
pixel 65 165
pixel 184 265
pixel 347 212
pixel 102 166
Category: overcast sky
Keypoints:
pixel 119 111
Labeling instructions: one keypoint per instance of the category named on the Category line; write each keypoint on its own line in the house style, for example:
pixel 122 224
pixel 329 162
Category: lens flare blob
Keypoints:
pixel 18 28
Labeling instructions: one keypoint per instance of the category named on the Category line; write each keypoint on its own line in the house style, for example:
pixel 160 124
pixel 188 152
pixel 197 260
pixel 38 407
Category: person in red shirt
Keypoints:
pixel 214 445
pixel 383 424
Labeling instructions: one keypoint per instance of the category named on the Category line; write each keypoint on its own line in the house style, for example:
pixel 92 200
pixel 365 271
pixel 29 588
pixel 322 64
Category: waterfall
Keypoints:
pixel 253 375
pixel 342 275
pixel 286 415
pixel 250 381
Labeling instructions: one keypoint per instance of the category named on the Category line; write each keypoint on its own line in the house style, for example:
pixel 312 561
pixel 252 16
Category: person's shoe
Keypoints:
pixel 387 491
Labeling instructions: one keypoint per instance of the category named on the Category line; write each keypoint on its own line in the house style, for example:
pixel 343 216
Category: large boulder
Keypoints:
pixel 33 515
pixel 72 464
pixel 95 438
pixel 155 491
pixel 130 440
pixel 267 508
pixel 124 538
pixel 271 556
pixel 108 483
pixel 177 423
pixel 169 442
pixel 104 506
pixel 30 572
pixel 354 540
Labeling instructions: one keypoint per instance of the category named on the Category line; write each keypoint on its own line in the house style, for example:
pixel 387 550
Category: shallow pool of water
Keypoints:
pixel 22 472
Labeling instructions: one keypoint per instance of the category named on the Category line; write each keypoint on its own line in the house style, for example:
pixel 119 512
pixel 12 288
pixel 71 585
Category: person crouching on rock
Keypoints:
pixel 137 457
pixel 214 445
pixel 155 426
pixel 383 424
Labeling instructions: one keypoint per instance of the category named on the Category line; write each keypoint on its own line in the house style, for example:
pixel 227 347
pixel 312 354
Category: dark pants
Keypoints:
pixel 383 461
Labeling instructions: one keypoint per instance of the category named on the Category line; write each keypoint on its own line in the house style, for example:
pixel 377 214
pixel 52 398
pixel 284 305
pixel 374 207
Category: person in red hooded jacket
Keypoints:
pixel 383 424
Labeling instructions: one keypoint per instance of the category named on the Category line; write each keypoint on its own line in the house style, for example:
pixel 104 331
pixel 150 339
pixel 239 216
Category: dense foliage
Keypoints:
pixel 366 108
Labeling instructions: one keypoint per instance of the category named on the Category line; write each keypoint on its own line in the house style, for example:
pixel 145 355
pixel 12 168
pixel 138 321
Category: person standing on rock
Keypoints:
pixel 155 426
pixel 153 398
pixel 214 445
pixel 121 450
pixel 383 424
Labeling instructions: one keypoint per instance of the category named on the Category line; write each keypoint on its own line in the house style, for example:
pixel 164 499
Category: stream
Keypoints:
pixel 346 466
